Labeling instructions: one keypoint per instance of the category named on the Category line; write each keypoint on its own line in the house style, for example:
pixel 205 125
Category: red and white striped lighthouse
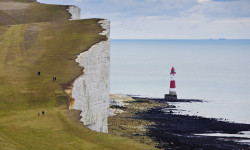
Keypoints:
pixel 172 90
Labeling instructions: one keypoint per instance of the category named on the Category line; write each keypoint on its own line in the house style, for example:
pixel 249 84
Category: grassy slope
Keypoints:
pixel 31 12
pixel 51 49
pixel 21 1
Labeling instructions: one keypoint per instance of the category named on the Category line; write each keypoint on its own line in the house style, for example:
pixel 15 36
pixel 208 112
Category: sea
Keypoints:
pixel 215 70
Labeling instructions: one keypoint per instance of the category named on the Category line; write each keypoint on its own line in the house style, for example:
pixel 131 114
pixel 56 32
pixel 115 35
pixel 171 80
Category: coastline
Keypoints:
pixel 123 121
pixel 168 130
pixel 84 91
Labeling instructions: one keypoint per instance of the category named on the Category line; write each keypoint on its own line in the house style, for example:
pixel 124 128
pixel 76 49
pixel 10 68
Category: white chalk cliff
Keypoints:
pixel 91 90
pixel 75 12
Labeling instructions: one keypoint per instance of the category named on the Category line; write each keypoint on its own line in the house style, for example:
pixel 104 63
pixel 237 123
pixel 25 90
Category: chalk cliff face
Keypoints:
pixel 75 12
pixel 91 90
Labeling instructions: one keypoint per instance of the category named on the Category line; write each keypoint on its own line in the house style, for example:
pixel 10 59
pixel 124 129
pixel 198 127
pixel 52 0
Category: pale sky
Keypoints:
pixel 169 19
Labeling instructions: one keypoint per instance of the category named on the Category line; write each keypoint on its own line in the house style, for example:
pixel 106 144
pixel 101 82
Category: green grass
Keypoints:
pixel 21 1
pixel 52 53
pixel 32 13
pixel 23 93
pixel 46 13
pixel 26 130
pixel 39 39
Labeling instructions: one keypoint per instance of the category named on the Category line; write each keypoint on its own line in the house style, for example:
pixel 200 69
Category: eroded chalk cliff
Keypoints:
pixel 75 12
pixel 91 90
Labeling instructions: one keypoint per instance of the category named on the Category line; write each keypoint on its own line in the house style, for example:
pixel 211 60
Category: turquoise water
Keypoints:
pixel 214 70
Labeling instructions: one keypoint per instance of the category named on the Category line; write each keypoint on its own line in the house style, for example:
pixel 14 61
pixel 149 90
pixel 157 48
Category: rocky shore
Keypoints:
pixel 144 120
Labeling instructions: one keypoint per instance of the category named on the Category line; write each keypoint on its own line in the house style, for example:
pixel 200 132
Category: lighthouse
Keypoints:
pixel 172 90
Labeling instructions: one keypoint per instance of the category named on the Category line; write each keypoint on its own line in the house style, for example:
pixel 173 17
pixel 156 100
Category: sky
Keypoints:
pixel 169 19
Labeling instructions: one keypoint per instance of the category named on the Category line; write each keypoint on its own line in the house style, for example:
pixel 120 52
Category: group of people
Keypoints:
pixel 54 79
pixel 39 73
pixel 42 113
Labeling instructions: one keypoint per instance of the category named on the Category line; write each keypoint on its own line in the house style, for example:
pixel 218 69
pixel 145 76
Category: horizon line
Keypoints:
pixel 182 39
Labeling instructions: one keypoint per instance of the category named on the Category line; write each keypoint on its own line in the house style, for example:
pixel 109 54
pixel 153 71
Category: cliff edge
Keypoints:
pixel 39 43
pixel 91 90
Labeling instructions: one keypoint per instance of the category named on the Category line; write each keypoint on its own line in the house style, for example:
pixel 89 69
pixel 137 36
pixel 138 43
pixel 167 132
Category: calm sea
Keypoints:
pixel 217 71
